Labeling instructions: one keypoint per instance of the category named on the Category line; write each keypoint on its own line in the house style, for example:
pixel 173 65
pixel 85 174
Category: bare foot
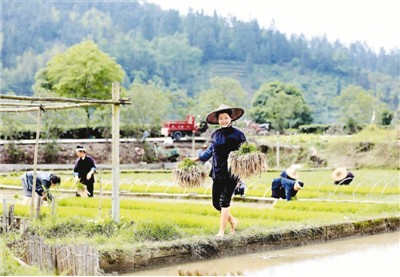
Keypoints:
pixel 220 234
pixel 234 224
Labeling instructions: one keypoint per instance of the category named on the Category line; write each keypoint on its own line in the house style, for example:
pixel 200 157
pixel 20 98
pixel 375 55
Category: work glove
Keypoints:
pixel 76 179
pixel 89 175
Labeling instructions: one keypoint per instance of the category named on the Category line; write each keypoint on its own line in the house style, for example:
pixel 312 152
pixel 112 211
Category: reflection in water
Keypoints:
pixel 377 255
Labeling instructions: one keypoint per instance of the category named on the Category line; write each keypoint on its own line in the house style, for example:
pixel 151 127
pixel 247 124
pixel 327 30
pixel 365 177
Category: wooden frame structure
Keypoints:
pixel 30 104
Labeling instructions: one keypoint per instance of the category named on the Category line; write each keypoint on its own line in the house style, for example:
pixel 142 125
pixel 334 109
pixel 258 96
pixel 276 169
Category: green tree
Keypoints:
pixel 149 107
pixel 11 124
pixel 358 105
pixel 177 61
pixel 83 71
pixel 281 105
pixel 224 90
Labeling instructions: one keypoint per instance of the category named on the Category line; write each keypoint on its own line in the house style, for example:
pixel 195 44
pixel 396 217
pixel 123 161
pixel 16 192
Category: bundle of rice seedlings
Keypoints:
pixel 188 174
pixel 81 189
pixel 247 161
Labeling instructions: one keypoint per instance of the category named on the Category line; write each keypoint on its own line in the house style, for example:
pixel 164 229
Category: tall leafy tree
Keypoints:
pixel 357 105
pixel 83 71
pixel 282 105
pixel 149 107
pixel 223 90
pixel 177 60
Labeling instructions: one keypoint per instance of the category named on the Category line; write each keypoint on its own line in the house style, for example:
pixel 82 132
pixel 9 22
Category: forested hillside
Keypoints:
pixel 183 53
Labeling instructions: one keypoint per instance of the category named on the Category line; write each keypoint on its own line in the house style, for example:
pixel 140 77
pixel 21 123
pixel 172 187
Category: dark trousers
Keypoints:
pixel 89 187
pixel 222 191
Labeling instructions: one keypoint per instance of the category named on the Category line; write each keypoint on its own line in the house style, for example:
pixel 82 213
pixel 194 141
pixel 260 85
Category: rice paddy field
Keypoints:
pixel 156 211
pixel 369 184
pixel 146 219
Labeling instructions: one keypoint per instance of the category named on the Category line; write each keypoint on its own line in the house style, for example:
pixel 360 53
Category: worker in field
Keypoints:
pixel 44 181
pixel 168 152
pixel 286 185
pixel 341 176
pixel 146 134
pixel 84 170
pixel 224 140
pixel 240 188
pixel 139 152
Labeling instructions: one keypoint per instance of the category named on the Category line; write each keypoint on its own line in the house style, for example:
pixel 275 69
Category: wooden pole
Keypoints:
pixel 67 100
pixel 5 229
pixel 35 158
pixel 277 149
pixel 48 108
pixel 115 153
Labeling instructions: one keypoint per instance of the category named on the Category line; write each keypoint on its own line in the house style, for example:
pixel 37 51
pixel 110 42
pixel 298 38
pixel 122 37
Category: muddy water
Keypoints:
pixel 377 255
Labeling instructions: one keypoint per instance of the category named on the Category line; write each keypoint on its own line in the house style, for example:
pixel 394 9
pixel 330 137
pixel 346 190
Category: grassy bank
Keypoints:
pixel 372 147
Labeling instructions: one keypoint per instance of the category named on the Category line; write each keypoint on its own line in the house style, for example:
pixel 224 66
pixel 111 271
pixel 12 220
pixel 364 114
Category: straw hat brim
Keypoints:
pixel 236 113
pixel 292 173
pixel 339 174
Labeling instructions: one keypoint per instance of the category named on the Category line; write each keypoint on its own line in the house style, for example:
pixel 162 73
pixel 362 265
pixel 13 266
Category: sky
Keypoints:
pixel 375 22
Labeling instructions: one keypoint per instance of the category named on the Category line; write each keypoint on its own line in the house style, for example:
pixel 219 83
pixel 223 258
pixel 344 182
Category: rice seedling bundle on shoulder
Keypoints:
pixel 188 174
pixel 247 161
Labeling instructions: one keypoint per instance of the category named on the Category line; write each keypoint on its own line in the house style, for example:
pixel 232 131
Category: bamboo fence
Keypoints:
pixel 9 222
pixel 71 260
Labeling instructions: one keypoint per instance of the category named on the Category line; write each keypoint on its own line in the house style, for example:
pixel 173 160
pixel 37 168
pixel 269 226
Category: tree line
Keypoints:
pixel 161 50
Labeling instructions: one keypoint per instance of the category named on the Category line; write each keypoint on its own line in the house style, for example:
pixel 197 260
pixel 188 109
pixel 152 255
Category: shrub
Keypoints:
pixel 156 231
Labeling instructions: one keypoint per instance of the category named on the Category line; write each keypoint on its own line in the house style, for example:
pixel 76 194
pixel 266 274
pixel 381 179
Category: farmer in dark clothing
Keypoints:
pixel 341 176
pixel 84 170
pixel 44 181
pixel 223 141
pixel 286 186
pixel 240 188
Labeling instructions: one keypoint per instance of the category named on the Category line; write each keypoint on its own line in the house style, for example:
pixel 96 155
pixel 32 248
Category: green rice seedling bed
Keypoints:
pixel 369 184
pixel 186 218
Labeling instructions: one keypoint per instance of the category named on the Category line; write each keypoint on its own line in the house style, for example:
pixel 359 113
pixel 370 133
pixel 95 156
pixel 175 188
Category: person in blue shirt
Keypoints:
pixel 223 141
pixel 44 181
pixel 287 185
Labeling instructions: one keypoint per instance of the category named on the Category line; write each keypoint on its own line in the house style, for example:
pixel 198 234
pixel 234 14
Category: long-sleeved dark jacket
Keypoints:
pixel 83 167
pixel 223 141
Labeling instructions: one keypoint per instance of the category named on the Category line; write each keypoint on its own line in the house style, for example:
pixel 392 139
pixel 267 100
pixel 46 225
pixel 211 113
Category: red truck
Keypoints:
pixel 180 128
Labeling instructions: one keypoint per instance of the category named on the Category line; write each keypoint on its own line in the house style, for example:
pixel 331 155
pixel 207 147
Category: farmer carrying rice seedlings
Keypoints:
pixel 223 141
pixel 84 170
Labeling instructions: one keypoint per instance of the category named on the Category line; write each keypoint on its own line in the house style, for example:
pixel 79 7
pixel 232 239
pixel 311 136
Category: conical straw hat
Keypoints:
pixel 292 173
pixel 235 113
pixel 339 174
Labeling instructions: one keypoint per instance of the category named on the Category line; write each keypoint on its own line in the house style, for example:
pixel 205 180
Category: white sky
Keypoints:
pixel 376 22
